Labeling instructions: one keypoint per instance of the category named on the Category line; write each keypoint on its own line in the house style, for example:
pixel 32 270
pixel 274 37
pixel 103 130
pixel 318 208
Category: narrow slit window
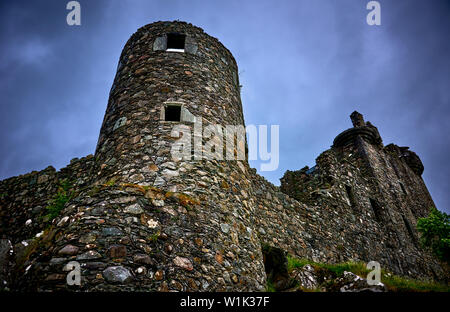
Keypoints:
pixel 175 42
pixel 351 197
pixel 172 113
pixel 376 209
pixel 409 229
pixel 403 188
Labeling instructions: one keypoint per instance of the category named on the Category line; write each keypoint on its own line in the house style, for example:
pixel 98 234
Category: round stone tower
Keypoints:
pixel 169 73
pixel 150 222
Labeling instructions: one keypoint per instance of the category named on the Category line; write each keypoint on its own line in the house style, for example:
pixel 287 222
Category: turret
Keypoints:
pixel 365 130
pixel 169 73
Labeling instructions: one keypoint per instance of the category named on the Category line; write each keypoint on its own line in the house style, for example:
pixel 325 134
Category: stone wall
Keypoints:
pixel 130 237
pixel 24 198
pixel 23 213
pixel 364 202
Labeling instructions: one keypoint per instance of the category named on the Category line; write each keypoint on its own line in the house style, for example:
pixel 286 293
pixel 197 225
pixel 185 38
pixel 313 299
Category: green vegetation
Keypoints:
pixel 392 282
pixel 24 255
pixel 295 263
pixel 56 204
pixel 435 233
pixel 402 284
pixel 338 269
pixel 270 287
pixel 154 237
pixel 111 182
pixel 94 190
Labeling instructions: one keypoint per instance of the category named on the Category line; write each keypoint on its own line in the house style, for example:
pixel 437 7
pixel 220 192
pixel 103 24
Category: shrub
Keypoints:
pixel 435 233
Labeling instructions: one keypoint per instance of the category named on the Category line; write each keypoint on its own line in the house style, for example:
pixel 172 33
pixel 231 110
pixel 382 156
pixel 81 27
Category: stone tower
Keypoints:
pixel 173 73
pixel 374 192
pixel 148 221
pixel 168 73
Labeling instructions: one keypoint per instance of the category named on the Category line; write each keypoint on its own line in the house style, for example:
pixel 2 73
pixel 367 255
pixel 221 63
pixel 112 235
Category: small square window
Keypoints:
pixel 172 113
pixel 175 42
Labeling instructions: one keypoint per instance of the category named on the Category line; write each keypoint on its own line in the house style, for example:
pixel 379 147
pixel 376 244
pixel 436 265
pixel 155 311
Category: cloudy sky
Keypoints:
pixel 304 65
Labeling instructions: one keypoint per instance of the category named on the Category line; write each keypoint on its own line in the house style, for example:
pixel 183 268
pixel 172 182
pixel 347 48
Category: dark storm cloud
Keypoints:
pixel 305 65
pixel 44 105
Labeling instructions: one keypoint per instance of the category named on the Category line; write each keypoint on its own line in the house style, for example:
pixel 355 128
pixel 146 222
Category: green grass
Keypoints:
pixel 338 269
pixel 270 287
pixel 393 283
pixel 401 284
pixel 295 263
pixel 355 267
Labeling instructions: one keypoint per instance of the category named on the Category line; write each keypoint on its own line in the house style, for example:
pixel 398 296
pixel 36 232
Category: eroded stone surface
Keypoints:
pixel 69 250
pixel 306 277
pixel 351 282
pixel 117 274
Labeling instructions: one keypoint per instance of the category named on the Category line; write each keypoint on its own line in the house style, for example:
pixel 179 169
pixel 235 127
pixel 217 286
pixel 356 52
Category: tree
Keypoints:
pixel 435 233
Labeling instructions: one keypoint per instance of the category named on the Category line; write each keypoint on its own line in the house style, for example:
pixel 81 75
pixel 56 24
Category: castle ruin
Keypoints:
pixel 139 221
